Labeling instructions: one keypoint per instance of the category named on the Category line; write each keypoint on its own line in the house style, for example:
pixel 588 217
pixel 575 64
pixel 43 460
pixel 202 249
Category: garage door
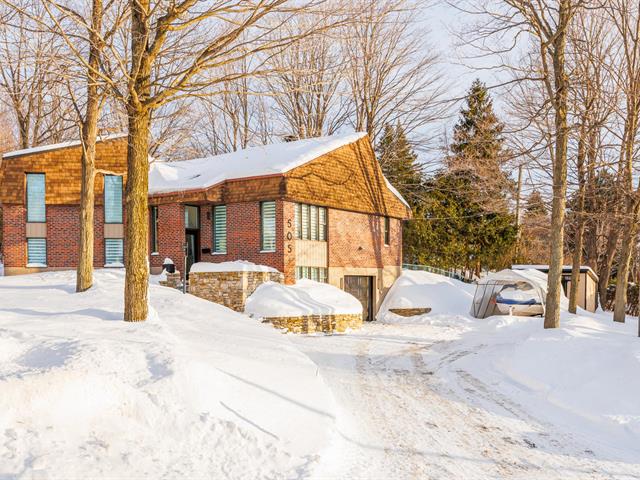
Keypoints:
pixel 361 287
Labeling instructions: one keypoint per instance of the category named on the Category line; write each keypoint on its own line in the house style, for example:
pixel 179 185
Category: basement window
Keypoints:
pixel 36 252
pixel 317 274
pixel 114 252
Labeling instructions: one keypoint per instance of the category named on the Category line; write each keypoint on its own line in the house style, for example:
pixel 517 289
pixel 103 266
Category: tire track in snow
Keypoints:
pixel 401 419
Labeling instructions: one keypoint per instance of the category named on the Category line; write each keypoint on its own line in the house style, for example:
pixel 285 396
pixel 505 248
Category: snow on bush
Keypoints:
pixel 236 266
pixel 197 391
pixel 306 297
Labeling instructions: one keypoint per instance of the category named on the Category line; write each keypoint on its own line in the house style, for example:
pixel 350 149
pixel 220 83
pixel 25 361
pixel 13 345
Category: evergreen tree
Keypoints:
pixel 453 230
pixel 535 205
pixel 534 234
pixel 400 163
pixel 478 147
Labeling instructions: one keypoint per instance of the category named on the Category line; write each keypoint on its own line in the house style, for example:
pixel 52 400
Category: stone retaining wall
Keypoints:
pixel 230 289
pixel 317 323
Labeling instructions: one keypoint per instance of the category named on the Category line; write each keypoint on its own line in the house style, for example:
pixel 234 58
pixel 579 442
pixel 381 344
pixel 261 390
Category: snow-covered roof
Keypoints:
pixel 545 268
pixel 56 146
pixel 274 159
pixel 236 266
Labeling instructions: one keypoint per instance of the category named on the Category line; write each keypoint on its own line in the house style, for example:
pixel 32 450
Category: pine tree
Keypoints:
pixel 452 229
pixel 478 147
pixel 400 163
pixel 536 205
pixel 534 231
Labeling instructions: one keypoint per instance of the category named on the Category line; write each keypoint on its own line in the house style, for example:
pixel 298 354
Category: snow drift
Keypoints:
pixel 418 289
pixel 581 378
pixel 197 391
pixel 306 297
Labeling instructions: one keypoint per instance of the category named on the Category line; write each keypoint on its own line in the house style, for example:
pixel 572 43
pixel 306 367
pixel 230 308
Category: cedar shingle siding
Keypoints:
pixel 63 171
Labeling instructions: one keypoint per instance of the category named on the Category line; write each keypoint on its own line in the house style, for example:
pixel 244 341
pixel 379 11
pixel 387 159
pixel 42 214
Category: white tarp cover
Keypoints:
pixel 521 292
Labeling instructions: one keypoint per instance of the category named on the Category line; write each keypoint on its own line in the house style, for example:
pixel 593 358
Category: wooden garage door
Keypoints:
pixel 361 287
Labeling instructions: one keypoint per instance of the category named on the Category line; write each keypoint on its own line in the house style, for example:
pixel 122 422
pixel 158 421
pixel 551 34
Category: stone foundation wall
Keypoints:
pixel 230 289
pixel 317 323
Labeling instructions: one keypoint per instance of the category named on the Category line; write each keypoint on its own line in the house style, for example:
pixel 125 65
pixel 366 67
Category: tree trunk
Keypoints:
pixel 579 235
pixel 624 264
pixel 139 118
pixel 604 275
pixel 558 206
pixel 137 225
pixel 84 273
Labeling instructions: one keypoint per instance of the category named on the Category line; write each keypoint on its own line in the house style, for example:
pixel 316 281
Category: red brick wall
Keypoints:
pixel 243 237
pixel 357 240
pixel 14 235
pixel 170 235
pixel 63 231
pixel 98 236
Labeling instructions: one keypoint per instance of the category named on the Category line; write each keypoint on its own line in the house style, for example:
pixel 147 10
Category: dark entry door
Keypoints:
pixel 361 287
pixel 192 238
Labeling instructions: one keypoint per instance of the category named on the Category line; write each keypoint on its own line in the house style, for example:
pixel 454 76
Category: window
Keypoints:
pixel 36 209
pixel 191 217
pixel 311 222
pixel 112 199
pixel 36 251
pixel 114 251
pixel 322 221
pixel 387 234
pixel 304 216
pixel 220 229
pixel 318 274
pixel 154 229
pixel 268 226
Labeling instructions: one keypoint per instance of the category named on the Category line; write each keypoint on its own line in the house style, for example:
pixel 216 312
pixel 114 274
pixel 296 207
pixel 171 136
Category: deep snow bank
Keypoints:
pixel 306 297
pixel 197 391
pixel 582 377
pixel 418 289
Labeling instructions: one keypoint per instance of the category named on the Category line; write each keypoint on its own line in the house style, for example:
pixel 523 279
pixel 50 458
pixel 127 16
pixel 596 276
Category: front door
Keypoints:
pixel 193 248
pixel 192 236
pixel 361 287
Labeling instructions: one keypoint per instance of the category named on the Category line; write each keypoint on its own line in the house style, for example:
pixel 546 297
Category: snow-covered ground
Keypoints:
pixel 447 396
pixel 202 392
pixel 198 391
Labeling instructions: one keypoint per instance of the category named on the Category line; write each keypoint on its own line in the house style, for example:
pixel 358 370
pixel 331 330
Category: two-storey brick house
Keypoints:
pixel 40 197
pixel 315 208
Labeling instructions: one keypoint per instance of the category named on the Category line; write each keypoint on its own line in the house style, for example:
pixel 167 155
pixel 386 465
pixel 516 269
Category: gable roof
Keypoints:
pixel 263 161
pixel 274 159
pixel 57 146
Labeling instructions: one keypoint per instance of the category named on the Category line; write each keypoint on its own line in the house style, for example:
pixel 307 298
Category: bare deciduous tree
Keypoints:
pixel 392 73
pixel 32 79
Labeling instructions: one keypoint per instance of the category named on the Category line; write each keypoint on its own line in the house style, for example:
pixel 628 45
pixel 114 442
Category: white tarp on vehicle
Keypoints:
pixel 510 292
